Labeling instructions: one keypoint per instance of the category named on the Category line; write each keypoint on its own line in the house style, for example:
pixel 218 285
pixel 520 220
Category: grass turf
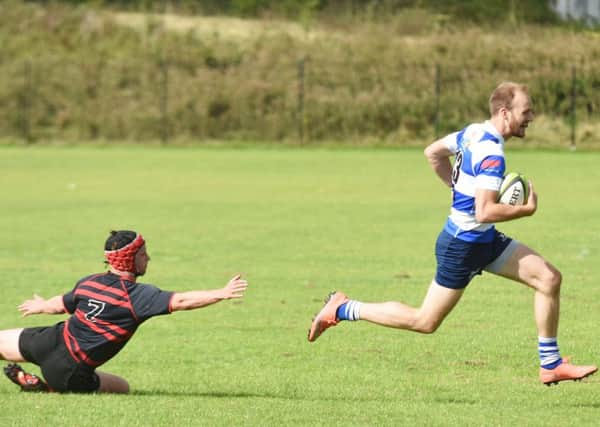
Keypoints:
pixel 297 224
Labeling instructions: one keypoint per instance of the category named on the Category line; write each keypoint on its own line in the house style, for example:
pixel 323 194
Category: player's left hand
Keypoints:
pixel 532 199
pixel 235 288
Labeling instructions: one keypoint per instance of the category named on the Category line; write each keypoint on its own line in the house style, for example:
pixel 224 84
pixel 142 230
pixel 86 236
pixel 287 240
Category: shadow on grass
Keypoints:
pixel 456 401
pixel 215 394
pixel 595 405
pixel 245 395
pixel 163 393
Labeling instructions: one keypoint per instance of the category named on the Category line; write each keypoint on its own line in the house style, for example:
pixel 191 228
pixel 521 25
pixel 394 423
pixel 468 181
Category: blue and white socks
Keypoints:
pixel 349 310
pixel 549 354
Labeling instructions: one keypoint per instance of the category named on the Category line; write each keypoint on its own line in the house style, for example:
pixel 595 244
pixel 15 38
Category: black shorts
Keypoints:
pixel 46 348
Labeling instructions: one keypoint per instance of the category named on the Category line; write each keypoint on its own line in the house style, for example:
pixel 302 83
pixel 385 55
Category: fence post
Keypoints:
pixel 93 94
pixel 164 95
pixel 573 108
pixel 437 100
pixel 25 101
pixel 300 107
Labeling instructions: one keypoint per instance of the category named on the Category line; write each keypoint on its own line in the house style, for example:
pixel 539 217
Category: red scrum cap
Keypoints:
pixel 120 249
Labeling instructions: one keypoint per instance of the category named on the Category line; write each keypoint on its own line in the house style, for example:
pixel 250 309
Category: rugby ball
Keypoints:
pixel 514 189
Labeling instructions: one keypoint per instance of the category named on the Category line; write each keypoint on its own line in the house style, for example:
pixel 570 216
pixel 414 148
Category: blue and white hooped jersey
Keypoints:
pixel 479 163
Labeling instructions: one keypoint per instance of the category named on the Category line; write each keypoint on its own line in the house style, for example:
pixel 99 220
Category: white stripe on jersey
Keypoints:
pixel 475 143
pixel 467 222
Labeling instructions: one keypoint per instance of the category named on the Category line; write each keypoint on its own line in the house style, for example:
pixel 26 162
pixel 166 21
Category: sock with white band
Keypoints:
pixel 349 310
pixel 549 353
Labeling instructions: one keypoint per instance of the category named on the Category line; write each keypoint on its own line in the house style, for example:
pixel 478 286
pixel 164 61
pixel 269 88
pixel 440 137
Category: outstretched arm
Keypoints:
pixel 438 155
pixel 197 299
pixel 39 305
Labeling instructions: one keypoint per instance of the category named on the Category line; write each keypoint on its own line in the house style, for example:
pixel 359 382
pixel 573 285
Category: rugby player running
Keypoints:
pixel 469 243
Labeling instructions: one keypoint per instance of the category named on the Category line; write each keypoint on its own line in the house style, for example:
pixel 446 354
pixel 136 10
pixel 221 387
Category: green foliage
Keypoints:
pixel 289 8
pixel 297 224
pixel 492 11
pixel 496 11
pixel 85 73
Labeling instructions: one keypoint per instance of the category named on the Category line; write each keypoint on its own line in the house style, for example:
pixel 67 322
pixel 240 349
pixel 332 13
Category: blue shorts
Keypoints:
pixel 459 261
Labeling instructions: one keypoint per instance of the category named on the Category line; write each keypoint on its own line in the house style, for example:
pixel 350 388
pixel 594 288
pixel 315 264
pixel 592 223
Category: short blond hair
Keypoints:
pixel 503 95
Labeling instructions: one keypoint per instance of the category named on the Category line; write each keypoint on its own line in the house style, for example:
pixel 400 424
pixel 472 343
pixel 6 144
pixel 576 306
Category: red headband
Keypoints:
pixel 124 259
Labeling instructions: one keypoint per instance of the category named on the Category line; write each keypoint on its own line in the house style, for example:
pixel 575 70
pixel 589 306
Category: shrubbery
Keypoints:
pixel 76 73
pixel 490 11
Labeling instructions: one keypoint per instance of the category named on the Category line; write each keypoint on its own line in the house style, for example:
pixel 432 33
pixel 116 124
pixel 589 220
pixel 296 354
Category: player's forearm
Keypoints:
pixel 54 305
pixel 443 169
pixel 195 299
pixel 438 156
pixel 39 305
pixel 496 212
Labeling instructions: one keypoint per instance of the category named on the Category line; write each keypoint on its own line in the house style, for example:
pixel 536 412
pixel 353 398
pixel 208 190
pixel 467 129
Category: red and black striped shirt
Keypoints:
pixel 106 311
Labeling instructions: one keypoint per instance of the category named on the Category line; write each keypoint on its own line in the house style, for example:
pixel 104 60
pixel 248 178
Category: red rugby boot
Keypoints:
pixel 27 382
pixel 326 318
pixel 565 372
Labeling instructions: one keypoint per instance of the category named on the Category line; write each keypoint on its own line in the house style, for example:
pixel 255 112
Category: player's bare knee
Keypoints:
pixel 120 386
pixel 110 383
pixel 550 281
pixel 427 326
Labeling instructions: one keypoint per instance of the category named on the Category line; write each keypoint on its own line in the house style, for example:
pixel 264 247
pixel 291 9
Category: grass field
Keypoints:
pixel 297 224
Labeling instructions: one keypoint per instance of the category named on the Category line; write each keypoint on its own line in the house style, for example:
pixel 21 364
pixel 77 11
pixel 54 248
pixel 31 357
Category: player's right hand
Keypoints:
pixel 32 306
